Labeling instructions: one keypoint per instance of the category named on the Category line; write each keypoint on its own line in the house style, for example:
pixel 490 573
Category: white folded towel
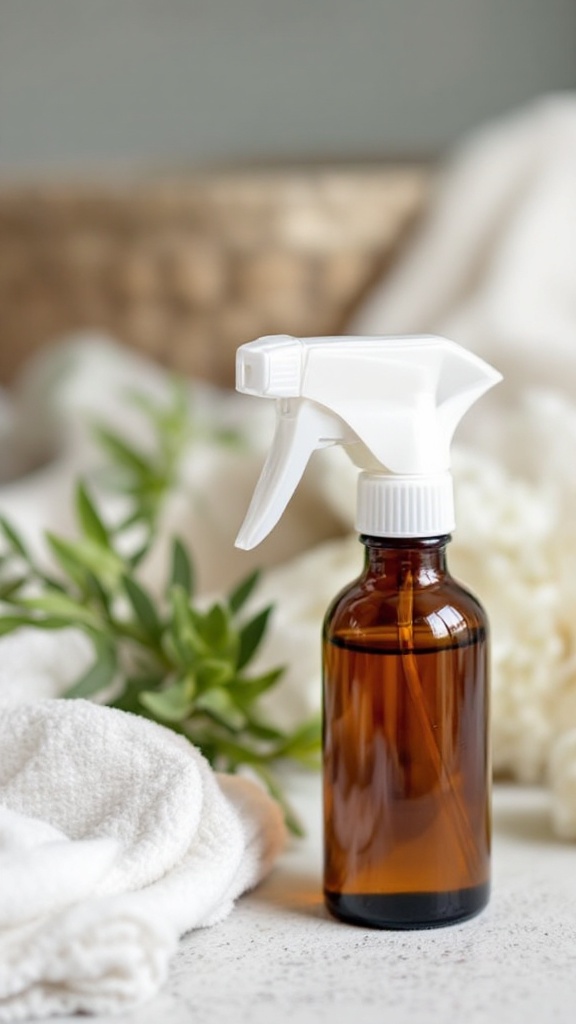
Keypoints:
pixel 115 838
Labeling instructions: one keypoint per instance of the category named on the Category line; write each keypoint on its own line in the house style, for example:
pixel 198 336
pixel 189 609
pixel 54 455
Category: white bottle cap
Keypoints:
pixel 405 506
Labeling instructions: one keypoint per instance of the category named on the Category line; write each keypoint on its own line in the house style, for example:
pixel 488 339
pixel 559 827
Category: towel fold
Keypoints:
pixel 115 838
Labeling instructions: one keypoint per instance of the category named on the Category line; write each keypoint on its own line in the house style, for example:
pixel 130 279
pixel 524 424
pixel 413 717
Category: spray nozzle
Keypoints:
pixel 393 402
pixel 270 367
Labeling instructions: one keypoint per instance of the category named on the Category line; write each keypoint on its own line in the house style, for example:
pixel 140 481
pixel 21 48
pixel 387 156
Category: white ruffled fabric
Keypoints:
pixel 115 838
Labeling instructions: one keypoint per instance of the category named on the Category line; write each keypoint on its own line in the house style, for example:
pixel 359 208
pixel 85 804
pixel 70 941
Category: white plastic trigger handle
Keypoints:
pixel 301 428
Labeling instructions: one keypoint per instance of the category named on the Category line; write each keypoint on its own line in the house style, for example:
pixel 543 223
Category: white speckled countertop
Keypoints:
pixel 280 957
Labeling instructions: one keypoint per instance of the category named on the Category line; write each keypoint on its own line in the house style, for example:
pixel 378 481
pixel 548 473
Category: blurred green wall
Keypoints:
pixel 111 83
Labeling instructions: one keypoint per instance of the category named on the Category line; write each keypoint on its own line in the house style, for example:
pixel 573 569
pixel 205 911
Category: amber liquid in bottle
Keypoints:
pixel 406 756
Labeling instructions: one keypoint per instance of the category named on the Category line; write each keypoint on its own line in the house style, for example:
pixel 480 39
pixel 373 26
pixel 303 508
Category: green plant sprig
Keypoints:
pixel 147 476
pixel 168 658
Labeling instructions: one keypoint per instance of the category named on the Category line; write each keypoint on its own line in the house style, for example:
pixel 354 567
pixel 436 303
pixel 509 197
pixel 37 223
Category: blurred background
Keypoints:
pixel 187 174
pixel 98 85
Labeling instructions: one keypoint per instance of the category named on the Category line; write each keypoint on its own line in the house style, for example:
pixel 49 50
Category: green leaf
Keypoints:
pixel 11 587
pixel 213 627
pixel 92 526
pixel 218 703
pixel 172 704
pixel 121 452
pixel 138 556
pixel 67 562
pixel 60 606
pixel 182 573
pixel 133 519
pixel 173 651
pixel 50 582
pixel 263 731
pixel 304 744
pixel 251 636
pixel 10 623
pixel 237 599
pixel 214 672
pixel 142 606
pixel 247 690
pixel 97 591
pixel 79 557
pixel 229 752
pixel 14 539
pixel 183 636
pixel 99 675
pixel 292 820
pixel 307 735
pixel 129 698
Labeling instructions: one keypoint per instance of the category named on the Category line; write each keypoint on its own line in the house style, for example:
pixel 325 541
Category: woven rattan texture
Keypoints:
pixel 187 270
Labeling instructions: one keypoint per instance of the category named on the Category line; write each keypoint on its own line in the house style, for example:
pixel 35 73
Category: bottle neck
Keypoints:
pixel 424 558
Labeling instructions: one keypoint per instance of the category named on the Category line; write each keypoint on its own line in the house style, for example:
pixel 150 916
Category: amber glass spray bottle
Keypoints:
pixel 405 662
pixel 406 766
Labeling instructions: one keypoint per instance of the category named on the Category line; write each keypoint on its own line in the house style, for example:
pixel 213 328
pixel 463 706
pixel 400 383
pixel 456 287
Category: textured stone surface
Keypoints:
pixel 280 958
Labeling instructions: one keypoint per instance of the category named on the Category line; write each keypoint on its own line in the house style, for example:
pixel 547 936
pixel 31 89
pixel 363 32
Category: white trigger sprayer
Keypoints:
pixel 392 402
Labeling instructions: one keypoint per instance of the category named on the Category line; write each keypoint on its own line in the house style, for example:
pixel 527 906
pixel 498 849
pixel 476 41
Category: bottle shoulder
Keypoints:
pixel 371 612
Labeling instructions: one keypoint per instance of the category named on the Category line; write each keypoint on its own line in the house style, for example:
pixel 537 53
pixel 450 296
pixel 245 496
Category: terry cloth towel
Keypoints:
pixel 115 838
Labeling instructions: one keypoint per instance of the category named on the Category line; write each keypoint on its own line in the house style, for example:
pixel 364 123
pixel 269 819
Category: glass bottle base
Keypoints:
pixel 402 911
